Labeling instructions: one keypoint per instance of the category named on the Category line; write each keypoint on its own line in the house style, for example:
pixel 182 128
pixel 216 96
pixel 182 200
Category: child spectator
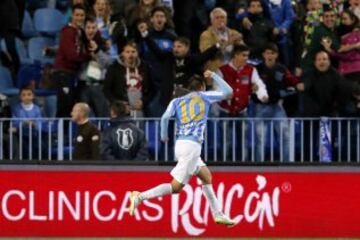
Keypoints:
pixel 27 125
pixel 26 110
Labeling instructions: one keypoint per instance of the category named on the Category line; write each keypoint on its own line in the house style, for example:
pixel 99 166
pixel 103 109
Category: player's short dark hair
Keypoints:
pixel 239 48
pixel 78 7
pixel 119 108
pixel 183 40
pixel 196 83
pixel 272 47
pixel 26 88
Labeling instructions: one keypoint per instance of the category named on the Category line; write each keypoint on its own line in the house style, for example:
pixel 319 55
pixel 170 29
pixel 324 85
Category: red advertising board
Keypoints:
pixel 65 203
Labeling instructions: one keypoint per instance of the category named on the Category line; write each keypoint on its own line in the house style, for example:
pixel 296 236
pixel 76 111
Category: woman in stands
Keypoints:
pixel 102 13
pixel 348 53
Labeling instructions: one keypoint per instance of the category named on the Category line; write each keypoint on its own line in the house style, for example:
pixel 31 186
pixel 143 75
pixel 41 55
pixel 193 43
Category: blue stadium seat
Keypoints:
pixel 6 83
pixel 28 28
pixel 48 21
pixel 21 49
pixel 36 47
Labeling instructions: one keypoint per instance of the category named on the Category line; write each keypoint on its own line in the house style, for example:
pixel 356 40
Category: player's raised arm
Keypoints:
pixel 165 121
pixel 223 86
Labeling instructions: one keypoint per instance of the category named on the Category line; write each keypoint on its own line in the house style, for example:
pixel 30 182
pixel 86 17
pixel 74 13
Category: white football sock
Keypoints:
pixel 158 191
pixel 211 198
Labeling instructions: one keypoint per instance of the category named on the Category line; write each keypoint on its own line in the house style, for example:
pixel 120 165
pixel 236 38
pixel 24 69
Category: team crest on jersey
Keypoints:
pixel 125 138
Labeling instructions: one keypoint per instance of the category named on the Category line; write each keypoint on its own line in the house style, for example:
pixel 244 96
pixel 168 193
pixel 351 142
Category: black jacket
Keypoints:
pixel 161 71
pixel 181 69
pixel 87 142
pixel 260 34
pixel 115 87
pixel 277 81
pixel 325 92
pixel 123 140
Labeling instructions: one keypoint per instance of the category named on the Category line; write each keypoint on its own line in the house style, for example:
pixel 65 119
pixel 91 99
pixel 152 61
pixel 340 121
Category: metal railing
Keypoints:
pixel 245 140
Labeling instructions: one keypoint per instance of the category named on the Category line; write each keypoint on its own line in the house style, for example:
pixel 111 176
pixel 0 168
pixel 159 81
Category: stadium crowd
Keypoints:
pixel 282 58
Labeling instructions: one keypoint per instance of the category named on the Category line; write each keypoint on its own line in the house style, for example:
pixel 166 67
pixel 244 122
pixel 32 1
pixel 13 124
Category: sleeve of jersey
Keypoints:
pixel 214 96
pixel 223 89
pixel 165 120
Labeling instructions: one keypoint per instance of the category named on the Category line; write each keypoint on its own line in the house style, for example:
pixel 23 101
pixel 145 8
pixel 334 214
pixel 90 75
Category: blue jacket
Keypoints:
pixel 19 112
pixel 282 15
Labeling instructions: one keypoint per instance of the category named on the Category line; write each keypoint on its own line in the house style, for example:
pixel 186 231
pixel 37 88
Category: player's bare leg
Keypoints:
pixel 220 218
pixel 161 190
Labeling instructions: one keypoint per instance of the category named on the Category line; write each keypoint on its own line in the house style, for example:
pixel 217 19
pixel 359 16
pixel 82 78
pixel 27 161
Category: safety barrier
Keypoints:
pixel 245 140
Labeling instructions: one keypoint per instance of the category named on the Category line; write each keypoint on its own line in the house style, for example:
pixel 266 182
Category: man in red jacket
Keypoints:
pixel 245 80
pixel 72 53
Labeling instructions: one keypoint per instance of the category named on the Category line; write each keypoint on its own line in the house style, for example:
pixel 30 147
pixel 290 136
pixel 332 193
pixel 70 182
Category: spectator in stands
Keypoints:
pixel 27 124
pixel 140 11
pixel 93 74
pixel 348 53
pixel 72 53
pixel 10 143
pixel 87 139
pixel 325 32
pixel 244 79
pixel 127 79
pixel 164 38
pixel 355 7
pixel 26 109
pixel 123 140
pixel 183 65
pixel 102 14
pixel 324 95
pixel 143 10
pixel 10 23
pixel 278 79
pixel 324 87
pixel 233 9
pixel 261 31
pixel 68 13
pixel 121 7
pixel 191 19
pixel 218 32
pixel 307 25
pixel 109 26
pixel 283 15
